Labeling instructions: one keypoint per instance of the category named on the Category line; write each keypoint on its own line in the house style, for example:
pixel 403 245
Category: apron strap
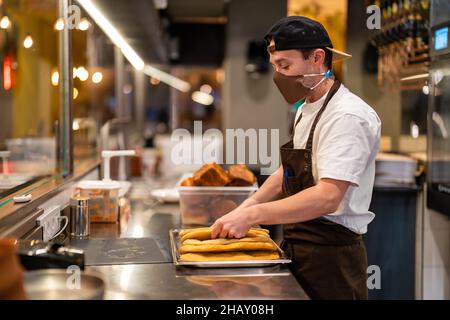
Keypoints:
pixel 295 124
pixel 331 93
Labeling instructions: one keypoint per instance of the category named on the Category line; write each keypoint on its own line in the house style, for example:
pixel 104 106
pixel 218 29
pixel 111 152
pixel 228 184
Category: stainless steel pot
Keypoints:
pixel 58 284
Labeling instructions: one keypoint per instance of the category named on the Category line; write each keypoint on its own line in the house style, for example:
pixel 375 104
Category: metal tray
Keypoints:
pixel 175 245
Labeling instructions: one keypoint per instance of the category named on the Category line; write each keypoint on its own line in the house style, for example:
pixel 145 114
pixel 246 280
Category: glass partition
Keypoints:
pixel 40 46
pixel 29 98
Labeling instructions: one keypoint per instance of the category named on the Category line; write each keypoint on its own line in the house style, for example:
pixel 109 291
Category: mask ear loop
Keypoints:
pixel 312 75
pixel 327 75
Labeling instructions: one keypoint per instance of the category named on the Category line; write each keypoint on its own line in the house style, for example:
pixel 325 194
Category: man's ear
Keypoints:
pixel 319 57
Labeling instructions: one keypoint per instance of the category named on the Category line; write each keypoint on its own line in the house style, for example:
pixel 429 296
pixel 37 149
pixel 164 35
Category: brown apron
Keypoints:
pixel 328 260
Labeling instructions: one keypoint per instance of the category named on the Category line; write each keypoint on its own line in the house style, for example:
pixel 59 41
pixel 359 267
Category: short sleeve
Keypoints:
pixel 345 147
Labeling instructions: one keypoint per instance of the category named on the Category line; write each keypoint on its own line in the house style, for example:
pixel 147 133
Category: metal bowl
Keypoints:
pixel 59 284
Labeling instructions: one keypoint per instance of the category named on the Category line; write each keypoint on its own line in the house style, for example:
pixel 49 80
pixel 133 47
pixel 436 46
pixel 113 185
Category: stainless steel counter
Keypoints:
pixel 165 281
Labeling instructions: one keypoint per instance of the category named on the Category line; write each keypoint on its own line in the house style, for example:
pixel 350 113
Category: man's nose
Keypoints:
pixel 278 69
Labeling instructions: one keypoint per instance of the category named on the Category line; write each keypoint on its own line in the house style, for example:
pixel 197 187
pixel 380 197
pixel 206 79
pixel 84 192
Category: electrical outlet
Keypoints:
pixel 50 222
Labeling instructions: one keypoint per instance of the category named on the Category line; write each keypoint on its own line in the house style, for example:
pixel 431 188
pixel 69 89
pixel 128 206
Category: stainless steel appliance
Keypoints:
pixel 438 177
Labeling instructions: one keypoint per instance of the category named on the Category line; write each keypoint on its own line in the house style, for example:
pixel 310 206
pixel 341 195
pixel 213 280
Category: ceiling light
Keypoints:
pixel 416 77
pixel 84 24
pixel 167 78
pixel 28 42
pixel 415 131
pixel 203 98
pixel 129 53
pixel 82 74
pixel 59 24
pixel 160 4
pixel 5 23
pixel 113 34
pixel 76 125
pixel 75 93
pixel 55 78
pixel 97 77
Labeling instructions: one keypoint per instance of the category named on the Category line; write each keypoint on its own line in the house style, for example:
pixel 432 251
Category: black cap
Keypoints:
pixel 298 32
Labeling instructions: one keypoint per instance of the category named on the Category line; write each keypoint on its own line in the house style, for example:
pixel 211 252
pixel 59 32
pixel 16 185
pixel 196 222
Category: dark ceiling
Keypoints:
pixel 197 10
pixel 147 28
pixel 138 21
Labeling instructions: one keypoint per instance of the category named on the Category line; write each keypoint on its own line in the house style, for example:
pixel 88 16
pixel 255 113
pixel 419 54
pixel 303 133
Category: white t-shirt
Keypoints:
pixel 345 145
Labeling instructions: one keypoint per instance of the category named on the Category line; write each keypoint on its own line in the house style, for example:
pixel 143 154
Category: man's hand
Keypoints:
pixel 237 223
pixel 233 225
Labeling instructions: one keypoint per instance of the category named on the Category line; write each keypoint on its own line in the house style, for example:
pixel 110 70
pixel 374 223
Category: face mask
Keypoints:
pixel 292 88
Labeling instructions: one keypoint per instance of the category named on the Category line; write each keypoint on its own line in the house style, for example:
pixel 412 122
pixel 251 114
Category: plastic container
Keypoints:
pixel 202 206
pixel 104 194
pixel 103 200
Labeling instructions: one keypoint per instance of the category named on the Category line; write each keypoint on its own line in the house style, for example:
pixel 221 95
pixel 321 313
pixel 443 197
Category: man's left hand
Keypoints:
pixel 233 225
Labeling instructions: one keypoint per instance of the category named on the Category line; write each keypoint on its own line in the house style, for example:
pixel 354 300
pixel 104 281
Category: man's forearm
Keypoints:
pixel 269 191
pixel 303 206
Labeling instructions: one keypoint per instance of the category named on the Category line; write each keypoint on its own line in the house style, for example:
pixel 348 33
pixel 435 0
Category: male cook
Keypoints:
pixel 321 193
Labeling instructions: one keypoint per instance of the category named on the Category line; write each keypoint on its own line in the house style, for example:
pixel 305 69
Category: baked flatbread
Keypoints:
pixel 221 241
pixel 205 234
pixel 186 231
pixel 237 246
pixel 230 256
